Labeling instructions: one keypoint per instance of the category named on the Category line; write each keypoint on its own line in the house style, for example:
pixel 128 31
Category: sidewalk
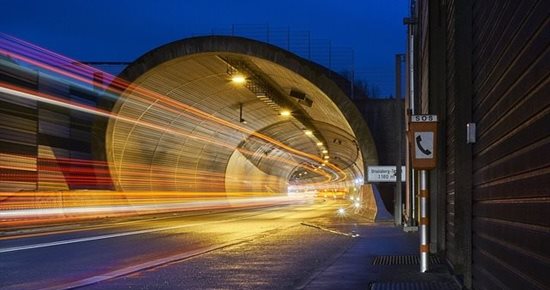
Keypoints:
pixel 371 264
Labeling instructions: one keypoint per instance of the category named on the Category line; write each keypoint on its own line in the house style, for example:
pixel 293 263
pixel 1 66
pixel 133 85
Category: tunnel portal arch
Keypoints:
pixel 170 148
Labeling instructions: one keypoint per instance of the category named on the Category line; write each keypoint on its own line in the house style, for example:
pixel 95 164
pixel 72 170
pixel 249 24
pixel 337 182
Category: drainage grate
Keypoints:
pixel 402 260
pixel 413 285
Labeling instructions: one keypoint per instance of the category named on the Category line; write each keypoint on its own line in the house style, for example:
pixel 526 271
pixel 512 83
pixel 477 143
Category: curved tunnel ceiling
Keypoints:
pixel 197 130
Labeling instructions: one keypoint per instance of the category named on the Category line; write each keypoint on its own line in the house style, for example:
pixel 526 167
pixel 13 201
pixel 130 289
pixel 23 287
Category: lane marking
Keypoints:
pixel 108 236
pixel 161 261
pixel 329 230
pixel 116 235
pixel 178 257
pixel 83 227
pixel 140 267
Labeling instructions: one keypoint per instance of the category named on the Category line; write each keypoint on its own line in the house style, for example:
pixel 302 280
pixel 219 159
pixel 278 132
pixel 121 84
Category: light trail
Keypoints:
pixel 18 217
pixel 45 98
pixel 82 173
pixel 167 103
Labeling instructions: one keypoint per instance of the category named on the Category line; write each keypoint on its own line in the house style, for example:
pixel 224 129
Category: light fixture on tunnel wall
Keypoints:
pixel 319 143
pixel 238 79
pixel 301 97
pixel 285 113
pixel 308 132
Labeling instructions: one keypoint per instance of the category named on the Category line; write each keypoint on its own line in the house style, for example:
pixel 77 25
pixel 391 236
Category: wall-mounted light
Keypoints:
pixel 319 143
pixel 308 132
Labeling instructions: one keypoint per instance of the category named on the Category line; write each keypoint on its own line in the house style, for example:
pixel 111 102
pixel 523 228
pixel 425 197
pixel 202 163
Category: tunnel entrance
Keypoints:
pixel 228 114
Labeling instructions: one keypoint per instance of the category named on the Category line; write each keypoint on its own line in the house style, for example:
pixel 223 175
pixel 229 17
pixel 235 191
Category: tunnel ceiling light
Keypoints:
pixel 238 79
pixel 308 132
pixel 325 151
pixel 319 143
pixel 326 157
pixel 285 113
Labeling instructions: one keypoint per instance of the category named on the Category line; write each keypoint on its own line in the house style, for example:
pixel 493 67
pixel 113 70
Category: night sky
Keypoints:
pixel 108 30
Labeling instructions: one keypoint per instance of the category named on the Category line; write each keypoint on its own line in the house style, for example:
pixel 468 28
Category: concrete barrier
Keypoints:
pixel 374 209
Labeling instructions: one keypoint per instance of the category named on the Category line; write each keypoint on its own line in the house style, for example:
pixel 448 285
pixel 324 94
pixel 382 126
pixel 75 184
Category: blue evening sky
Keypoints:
pixel 122 30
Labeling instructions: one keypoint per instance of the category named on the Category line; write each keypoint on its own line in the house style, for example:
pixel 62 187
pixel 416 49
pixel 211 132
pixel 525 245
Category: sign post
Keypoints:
pixel 423 136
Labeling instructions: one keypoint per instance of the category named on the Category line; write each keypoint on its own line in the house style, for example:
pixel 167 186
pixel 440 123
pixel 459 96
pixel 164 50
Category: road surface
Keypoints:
pixel 277 247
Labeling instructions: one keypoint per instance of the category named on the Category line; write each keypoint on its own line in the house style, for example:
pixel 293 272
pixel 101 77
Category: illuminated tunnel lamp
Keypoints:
pixel 308 132
pixel 238 79
pixel 285 113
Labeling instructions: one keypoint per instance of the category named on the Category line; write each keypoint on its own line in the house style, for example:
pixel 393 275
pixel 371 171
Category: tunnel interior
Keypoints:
pixel 231 122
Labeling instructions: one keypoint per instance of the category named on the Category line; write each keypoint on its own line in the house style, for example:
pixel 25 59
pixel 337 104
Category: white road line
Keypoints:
pixel 157 262
pixel 102 237
pixel 109 236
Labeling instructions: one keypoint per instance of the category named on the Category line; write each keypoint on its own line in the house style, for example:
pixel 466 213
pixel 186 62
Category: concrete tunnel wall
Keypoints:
pixel 325 80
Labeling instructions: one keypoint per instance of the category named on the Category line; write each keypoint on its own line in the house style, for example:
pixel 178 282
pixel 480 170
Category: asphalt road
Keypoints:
pixel 277 247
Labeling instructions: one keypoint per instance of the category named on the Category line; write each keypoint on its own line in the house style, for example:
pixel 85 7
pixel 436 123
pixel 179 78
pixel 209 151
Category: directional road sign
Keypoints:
pixel 384 173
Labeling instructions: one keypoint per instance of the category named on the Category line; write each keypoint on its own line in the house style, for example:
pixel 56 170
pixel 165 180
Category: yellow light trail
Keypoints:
pixel 45 98
pixel 169 105
pixel 166 104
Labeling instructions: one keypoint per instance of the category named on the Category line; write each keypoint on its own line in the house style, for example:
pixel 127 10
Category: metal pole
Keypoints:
pixel 424 222
pixel 398 197
pixel 412 200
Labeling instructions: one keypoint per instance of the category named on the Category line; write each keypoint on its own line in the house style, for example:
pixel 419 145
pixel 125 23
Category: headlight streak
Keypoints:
pixel 60 102
pixel 86 172
pixel 41 97
pixel 167 102
pixel 18 217
pixel 14 214
pixel 8 89
pixel 68 165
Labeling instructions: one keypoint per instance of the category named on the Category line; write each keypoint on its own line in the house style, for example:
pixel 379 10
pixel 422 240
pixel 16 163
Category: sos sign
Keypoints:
pixel 423 139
